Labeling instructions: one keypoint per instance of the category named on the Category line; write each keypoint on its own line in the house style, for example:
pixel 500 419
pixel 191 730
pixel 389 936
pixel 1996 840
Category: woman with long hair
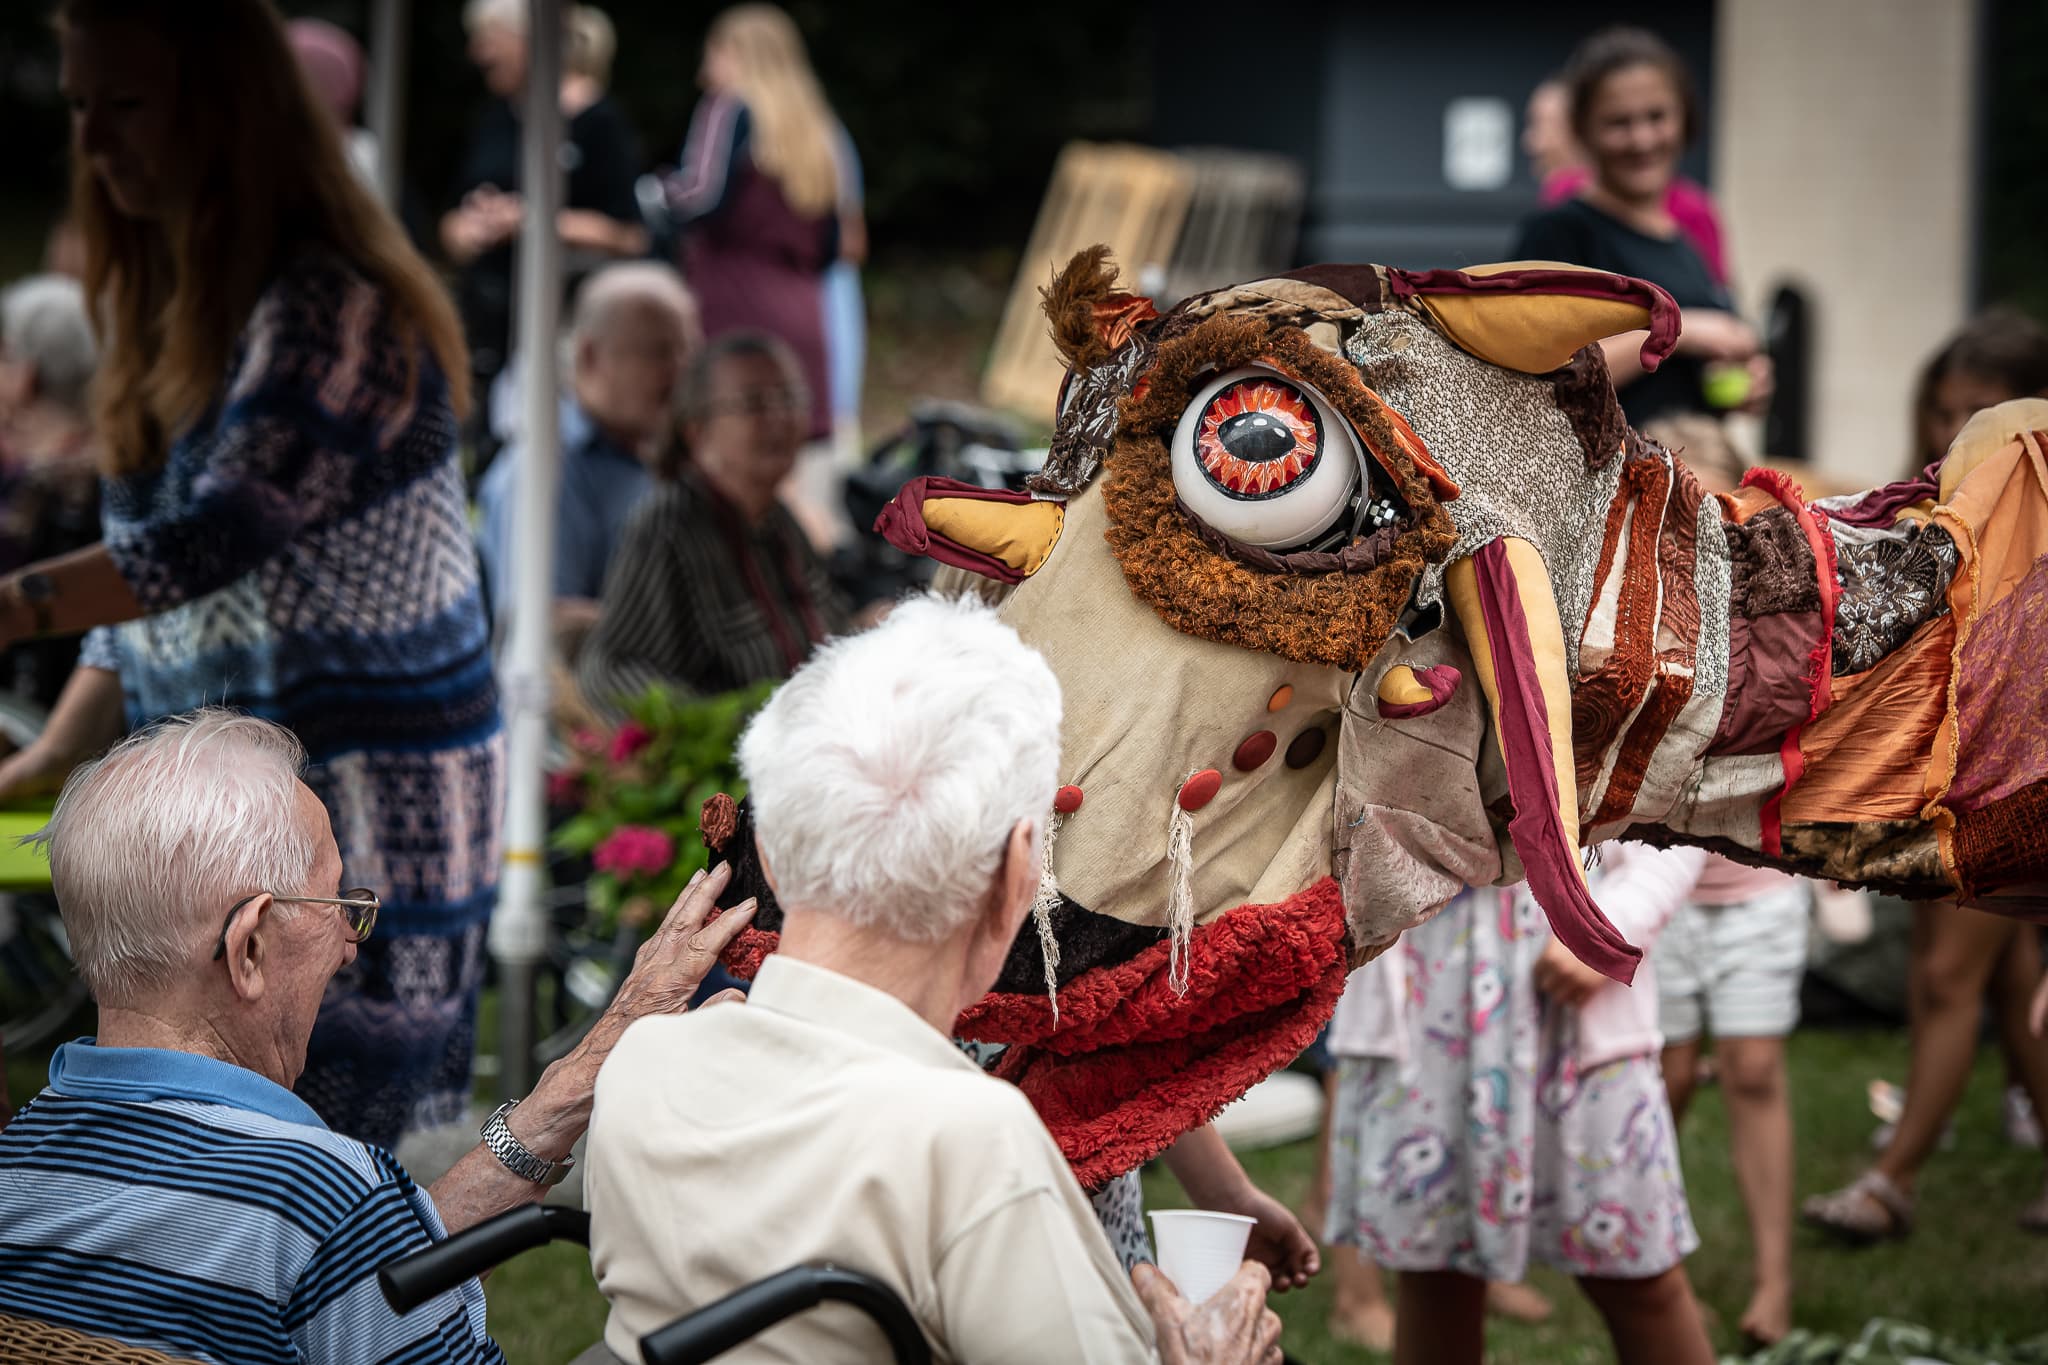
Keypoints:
pixel 758 195
pixel 283 513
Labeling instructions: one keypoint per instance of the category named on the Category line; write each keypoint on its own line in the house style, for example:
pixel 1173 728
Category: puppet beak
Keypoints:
pixel 1503 599
pixel 998 534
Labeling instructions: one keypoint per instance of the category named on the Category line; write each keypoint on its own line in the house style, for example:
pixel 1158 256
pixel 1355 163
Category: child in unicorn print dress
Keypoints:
pixel 1497 1101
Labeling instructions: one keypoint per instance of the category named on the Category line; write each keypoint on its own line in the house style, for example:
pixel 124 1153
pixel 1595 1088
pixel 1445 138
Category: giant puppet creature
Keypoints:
pixel 1360 590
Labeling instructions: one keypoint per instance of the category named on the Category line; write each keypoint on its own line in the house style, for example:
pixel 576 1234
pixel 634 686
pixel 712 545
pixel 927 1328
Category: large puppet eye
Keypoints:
pixel 1264 460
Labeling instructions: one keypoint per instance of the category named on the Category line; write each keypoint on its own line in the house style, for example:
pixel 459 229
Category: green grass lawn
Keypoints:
pixel 1968 1271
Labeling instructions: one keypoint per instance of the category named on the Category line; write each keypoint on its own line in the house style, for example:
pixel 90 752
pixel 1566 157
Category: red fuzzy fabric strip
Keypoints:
pixel 1820 663
pixel 1153 1076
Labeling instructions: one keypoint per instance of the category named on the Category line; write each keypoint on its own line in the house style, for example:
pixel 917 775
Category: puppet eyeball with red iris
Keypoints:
pixel 1263 459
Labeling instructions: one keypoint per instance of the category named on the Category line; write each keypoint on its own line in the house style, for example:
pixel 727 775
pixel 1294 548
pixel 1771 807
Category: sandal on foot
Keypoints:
pixel 2034 1217
pixel 1872 1209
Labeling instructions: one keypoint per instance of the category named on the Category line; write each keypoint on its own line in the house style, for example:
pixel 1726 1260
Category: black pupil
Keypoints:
pixel 1256 436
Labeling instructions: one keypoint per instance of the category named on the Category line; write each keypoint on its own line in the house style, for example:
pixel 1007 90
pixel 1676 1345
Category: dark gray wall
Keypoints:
pixel 1357 94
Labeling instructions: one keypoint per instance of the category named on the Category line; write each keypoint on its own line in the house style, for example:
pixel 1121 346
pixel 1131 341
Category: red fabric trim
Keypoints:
pixel 1132 1065
pixel 1548 857
pixel 901 523
pixel 1664 318
pixel 1441 680
pixel 1158 1068
pixel 1603 700
pixel 1820 663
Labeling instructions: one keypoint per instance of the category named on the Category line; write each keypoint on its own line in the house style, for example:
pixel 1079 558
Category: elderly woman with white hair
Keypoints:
pixel 168 1190
pixel 899 782
pixel 49 482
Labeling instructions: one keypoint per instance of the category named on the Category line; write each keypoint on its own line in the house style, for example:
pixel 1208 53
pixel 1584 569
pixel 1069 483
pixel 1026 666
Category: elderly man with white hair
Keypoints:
pixel 899 784
pixel 168 1190
pixel 633 333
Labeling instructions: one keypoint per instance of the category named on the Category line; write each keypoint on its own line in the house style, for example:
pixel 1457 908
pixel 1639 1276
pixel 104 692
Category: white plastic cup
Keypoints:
pixel 1198 1250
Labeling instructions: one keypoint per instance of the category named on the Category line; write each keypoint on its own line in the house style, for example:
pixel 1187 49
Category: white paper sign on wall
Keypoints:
pixel 1479 143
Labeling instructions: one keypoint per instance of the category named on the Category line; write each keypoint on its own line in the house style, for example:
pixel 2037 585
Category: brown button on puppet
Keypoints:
pixel 1394 527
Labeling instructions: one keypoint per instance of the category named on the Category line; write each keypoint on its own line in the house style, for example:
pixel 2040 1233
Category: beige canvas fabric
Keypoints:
pixel 1412 828
pixel 1146 706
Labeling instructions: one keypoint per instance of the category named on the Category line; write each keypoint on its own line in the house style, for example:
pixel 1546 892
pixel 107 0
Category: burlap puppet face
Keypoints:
pixel 1360 590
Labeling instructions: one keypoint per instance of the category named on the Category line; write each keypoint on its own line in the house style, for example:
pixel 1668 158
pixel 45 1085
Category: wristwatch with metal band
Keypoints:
pixel 513 1153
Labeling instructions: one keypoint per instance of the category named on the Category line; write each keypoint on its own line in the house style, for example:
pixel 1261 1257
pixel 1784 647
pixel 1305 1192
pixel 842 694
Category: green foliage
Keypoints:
pixel 650 776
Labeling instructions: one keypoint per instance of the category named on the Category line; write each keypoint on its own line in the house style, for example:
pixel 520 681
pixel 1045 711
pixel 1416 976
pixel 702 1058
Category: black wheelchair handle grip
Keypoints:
pixel 718 1327
pixel 412 1280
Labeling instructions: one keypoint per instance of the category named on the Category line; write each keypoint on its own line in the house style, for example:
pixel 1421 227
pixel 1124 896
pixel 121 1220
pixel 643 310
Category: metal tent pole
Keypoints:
pixel 384 109
pixel 519 928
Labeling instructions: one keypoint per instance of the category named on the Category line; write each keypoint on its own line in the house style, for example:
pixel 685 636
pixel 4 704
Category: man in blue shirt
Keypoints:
pixel 167 1190
pixel 634 330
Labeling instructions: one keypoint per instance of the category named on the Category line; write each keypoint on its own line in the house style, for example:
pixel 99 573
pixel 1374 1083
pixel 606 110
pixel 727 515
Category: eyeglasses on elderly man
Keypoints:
pixel 361 905
pixel 167 1190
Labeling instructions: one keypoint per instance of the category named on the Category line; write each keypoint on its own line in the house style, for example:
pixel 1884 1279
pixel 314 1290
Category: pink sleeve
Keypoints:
pixel 1641 888
pixel 1692 208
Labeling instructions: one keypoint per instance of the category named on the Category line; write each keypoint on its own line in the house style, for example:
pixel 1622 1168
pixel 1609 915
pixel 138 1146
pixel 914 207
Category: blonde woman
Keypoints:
pixel 758 195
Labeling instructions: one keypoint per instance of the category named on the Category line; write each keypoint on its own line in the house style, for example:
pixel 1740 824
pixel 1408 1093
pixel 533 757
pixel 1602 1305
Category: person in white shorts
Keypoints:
pixel 1730 963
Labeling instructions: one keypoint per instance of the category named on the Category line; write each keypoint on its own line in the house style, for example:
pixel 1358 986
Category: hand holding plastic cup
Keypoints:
pixel 1198 1250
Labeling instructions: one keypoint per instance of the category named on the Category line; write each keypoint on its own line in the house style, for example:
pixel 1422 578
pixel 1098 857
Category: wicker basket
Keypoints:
pixel 24 1341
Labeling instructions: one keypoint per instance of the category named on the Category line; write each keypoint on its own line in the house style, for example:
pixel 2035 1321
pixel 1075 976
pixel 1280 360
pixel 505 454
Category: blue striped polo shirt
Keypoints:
pixel 175 1202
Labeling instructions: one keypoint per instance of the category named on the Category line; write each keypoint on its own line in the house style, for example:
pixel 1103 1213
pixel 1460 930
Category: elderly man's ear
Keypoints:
pixel 251 947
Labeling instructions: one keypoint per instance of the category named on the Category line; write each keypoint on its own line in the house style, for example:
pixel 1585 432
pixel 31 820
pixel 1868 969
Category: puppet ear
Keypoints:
pixel 1534 315
pixel 1089 318
pixel 1505 603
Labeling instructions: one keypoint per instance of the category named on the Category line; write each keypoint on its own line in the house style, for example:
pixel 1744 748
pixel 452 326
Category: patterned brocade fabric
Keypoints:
pixel 1894 580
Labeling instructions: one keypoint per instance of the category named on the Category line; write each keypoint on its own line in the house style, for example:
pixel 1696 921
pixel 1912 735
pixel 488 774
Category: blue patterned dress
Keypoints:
pixel 304 555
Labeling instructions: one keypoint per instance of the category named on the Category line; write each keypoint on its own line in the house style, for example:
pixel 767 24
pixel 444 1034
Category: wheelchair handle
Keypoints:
pixel 411 1280
pixel 718 1327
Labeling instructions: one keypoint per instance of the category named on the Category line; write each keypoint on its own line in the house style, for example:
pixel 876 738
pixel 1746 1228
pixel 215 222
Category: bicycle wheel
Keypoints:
pixel 39 989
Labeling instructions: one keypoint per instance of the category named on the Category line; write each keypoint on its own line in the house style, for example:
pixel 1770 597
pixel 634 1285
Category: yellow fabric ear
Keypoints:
pixel 1530 330
pixel 1533 315
pixel 1020 534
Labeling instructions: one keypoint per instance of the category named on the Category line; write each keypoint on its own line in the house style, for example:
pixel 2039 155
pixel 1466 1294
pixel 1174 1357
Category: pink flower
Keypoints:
pixel 565 789
pixel 634 850
pixel 631 738
pixel 587 742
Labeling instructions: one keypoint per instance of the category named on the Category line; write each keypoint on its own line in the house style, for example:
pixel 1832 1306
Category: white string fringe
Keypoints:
pixel 1041 910
pixel 1180 894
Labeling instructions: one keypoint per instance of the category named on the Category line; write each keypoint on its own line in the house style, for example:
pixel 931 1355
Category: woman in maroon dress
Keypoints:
pixel 758 193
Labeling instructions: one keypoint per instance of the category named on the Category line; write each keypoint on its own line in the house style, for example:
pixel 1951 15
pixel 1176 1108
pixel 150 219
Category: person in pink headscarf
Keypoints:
pixel 333 64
